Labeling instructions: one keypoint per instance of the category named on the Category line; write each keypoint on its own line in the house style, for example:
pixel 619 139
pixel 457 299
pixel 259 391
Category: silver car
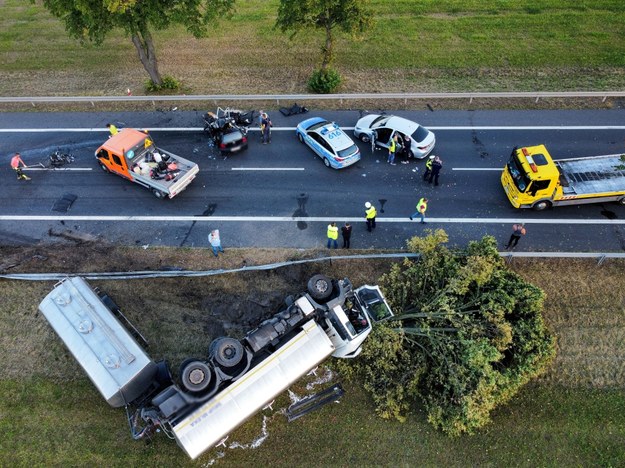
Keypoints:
pixel 379 129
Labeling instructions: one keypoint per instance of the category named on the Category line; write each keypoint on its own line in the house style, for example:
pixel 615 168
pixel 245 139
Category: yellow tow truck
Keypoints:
pixel 532 179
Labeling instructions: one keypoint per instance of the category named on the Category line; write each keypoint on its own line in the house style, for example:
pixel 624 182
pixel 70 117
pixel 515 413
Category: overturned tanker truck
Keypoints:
pixel 215 394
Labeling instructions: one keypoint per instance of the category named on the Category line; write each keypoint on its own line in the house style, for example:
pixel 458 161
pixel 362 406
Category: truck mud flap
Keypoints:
pixel 313 402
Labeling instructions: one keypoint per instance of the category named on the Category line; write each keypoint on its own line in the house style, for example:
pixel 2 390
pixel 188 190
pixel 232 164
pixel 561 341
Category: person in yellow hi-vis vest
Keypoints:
pixel 370 215
pixel 333 235
pixel 392 148
pixel 422 207
pixel 428 167
pixel 112 128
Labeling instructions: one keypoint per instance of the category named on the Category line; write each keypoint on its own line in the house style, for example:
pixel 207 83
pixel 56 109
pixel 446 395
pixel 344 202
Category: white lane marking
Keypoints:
pixel 404 219
pixel 57 169
pixel 477 168
pixel 268 169
pixel 292 129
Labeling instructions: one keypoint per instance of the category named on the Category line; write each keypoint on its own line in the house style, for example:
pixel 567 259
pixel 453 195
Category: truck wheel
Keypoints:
pixel 364 138
pixel 196 376
pixel 158 194
pixel 320 287
pixel 621 201
pixel 226 352
pixel 103 167
pixel 541 205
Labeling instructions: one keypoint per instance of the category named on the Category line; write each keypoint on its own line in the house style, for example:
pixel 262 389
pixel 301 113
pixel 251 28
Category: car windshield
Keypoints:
pixel 420 134
pixel 349 151
pixel 519 177
pixel 318 125
pixel 379 121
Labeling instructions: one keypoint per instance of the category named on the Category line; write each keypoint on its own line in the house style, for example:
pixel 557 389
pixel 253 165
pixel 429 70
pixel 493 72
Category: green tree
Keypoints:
pixel 92 20
pixel 349 16
pixel 472 334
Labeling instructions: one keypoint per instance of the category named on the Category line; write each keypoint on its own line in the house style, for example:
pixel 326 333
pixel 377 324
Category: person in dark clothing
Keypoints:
pixel 346 232
pixel 406 152
pixel 437 165
pixel 518 230
pixel 265 127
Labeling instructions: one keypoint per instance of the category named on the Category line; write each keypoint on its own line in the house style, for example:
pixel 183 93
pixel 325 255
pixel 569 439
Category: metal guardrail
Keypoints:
pixel 126 275
pixel 600 257
pixel 536 95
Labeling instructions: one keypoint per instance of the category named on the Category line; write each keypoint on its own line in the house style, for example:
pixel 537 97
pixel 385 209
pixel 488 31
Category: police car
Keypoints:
pixel 331 144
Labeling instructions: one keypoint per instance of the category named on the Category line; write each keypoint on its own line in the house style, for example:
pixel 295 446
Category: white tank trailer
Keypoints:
pixel 215 394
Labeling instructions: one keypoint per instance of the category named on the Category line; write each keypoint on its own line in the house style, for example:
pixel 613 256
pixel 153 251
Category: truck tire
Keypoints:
pixel 163 374
pixel 103 167
pixel 541 205
pixel 320 287
pixel 195 375
pixel 158 194
pixel 227 353
pixel 621 201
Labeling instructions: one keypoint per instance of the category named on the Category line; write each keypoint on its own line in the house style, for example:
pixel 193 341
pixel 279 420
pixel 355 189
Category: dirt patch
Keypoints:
pixel 178 316
pixel 181 316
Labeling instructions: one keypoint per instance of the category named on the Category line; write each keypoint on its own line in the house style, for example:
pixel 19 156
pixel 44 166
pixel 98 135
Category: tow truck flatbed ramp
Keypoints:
pixel 593 175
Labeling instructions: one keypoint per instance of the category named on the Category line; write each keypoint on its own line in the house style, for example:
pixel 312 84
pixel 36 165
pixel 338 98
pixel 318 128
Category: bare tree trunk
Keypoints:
pixel 328 48
pixel 145 48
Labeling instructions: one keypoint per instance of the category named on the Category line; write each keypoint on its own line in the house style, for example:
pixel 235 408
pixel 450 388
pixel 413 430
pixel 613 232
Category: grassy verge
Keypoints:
pixel 429 46
pixel 48 423
pixel 575 415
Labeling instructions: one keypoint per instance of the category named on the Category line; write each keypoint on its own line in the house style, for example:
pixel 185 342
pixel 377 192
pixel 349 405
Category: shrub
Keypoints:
pixel 324 81
pixel 169 83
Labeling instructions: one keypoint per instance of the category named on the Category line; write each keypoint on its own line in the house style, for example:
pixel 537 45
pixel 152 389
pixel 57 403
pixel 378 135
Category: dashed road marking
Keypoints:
pixel 268 169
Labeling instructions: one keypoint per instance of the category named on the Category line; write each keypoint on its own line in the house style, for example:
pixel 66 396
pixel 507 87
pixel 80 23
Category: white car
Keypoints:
pixel 379 129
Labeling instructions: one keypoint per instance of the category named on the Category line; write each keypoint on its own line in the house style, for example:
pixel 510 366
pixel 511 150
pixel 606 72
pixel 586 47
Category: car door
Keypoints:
pixel 383 137
pixel 318 145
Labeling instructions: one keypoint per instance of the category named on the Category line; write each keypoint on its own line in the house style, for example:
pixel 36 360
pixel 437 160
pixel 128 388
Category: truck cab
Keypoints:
pixel 531 178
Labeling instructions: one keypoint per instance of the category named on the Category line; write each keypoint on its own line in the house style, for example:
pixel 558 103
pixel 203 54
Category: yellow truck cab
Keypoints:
pixel 132 154
pixel 532 179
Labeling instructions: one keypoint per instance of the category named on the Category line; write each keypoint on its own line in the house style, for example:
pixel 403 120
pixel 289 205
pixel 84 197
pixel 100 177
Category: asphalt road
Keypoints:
pixel 253 197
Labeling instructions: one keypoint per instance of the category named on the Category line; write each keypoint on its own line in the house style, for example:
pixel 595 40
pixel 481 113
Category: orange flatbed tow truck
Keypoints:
pixel 132 154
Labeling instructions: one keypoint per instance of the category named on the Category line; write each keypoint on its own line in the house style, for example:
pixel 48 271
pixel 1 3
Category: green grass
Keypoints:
pixel 51 414
pixel 69 424
pixel 414 46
